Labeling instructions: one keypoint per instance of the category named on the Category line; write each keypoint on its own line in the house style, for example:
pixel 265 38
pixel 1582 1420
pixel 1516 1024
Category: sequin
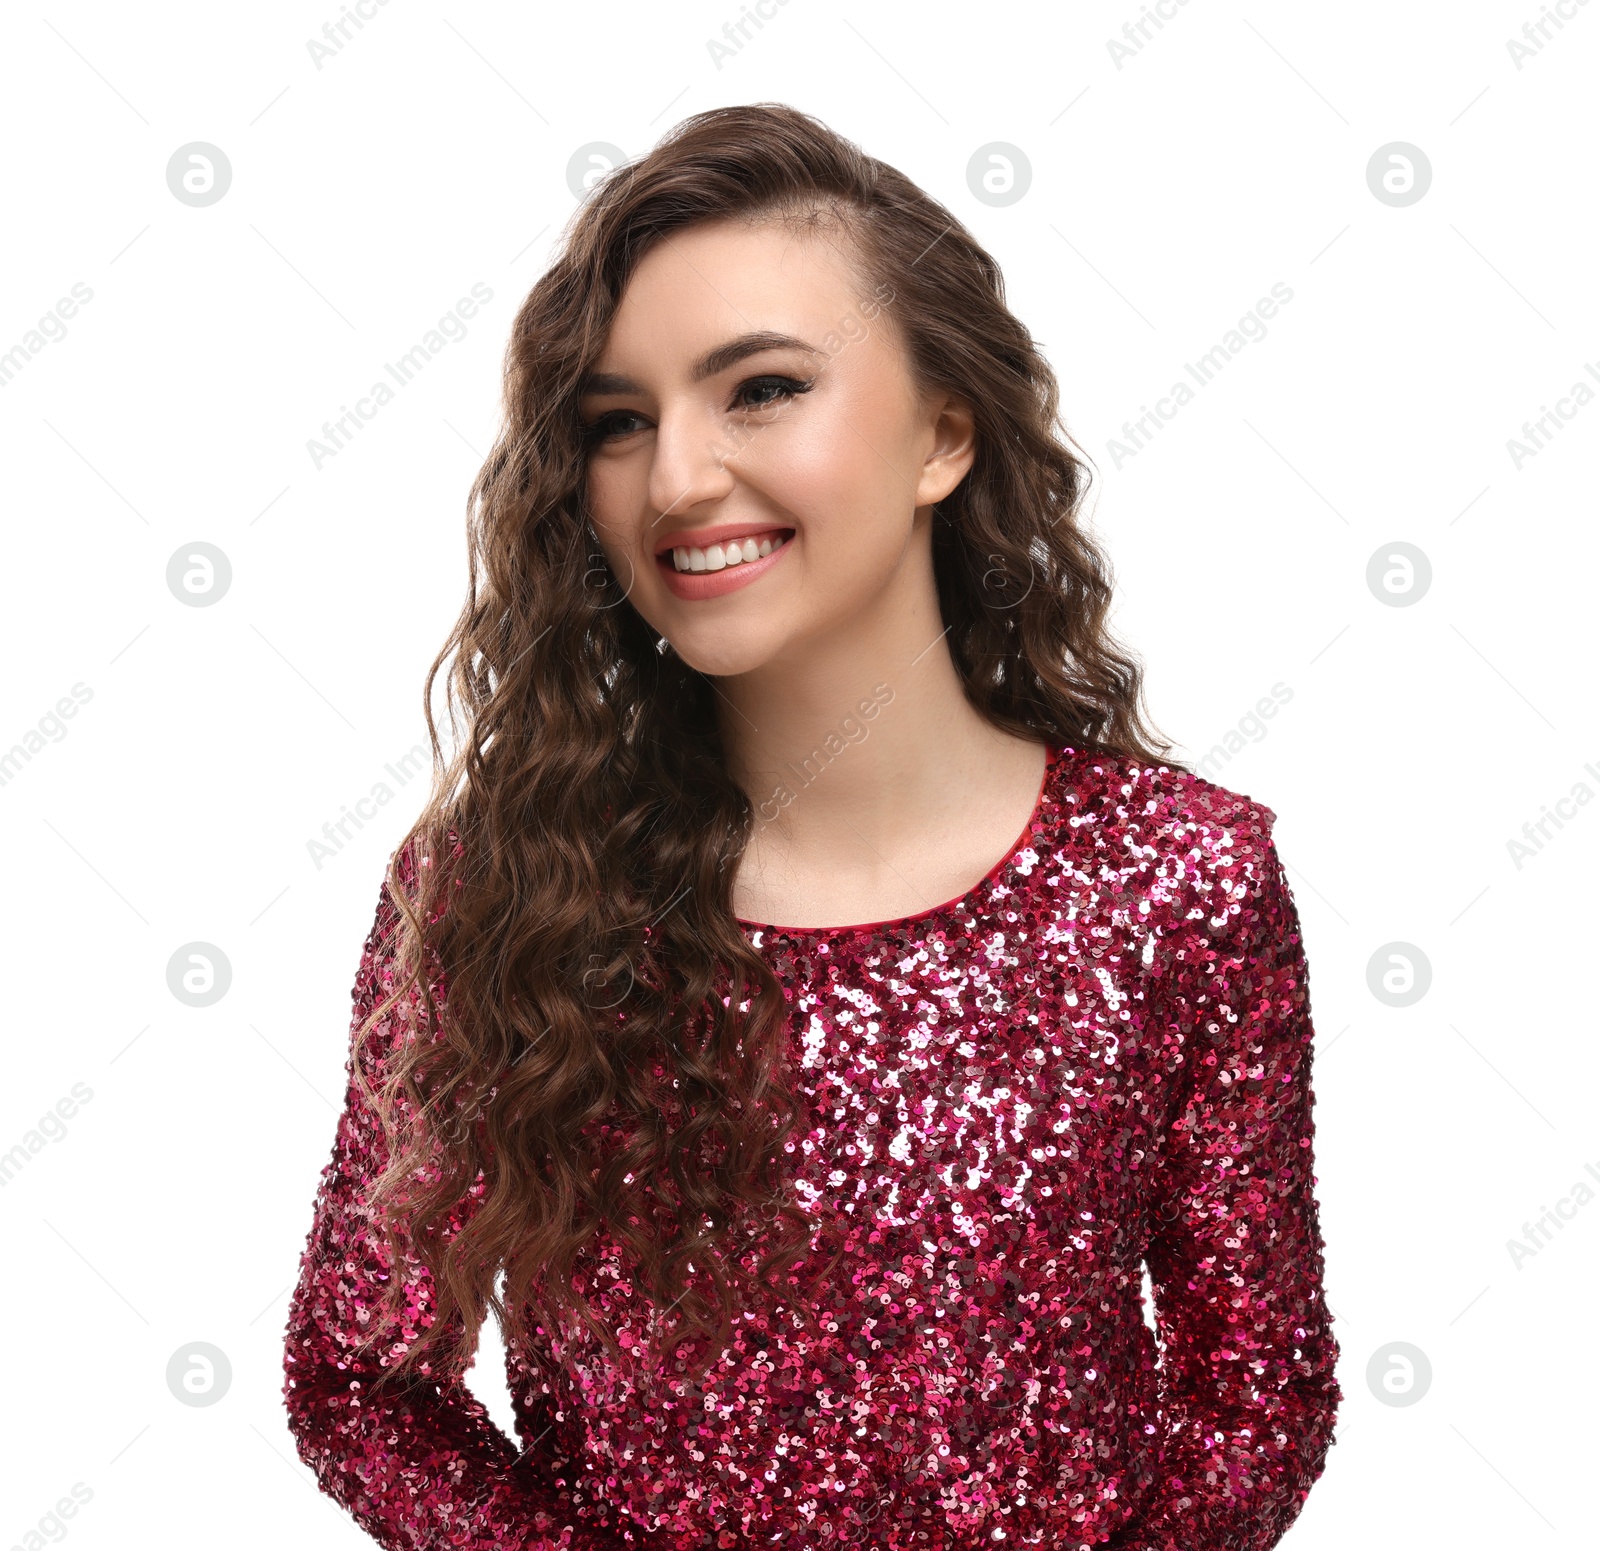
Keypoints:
pixel 1097 1058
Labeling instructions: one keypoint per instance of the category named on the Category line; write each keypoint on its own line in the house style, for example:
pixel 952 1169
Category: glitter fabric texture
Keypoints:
pixel 1098 1057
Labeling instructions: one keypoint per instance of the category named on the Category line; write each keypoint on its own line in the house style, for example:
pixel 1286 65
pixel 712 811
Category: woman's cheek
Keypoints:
pixel 818 473
pixel 608 507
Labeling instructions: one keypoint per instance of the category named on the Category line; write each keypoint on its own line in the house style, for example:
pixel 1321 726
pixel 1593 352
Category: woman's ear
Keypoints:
pixel 954 448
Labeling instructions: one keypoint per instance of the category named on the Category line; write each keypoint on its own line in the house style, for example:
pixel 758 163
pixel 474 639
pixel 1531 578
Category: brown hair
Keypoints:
pixel 608 1056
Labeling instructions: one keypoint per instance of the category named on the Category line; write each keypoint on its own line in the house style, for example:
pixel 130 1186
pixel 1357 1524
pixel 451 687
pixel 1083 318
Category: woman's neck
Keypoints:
pixel 875 782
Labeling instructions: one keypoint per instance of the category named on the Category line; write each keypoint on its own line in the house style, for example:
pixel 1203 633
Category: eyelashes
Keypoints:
pixel 782 389
pixel 788 388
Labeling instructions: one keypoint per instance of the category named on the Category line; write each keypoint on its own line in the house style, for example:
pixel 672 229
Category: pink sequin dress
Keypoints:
pixel 1097 1058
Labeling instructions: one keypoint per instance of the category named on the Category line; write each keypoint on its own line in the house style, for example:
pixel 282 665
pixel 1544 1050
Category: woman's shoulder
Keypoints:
pixel 1124 800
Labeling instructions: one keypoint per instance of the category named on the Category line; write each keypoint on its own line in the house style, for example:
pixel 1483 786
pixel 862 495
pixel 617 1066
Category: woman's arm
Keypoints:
pixel 421 1466
pixel 1235 1254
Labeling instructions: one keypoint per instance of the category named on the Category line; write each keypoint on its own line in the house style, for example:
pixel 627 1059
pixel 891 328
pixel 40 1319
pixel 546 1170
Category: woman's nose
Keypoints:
pixel 690 462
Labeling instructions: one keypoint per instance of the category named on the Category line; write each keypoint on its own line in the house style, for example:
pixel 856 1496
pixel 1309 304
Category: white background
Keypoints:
pixel 1230 152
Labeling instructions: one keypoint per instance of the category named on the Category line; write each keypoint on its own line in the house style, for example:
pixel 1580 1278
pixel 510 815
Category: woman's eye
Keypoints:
pixel 606 426
pixel 756 393
pixel 769 390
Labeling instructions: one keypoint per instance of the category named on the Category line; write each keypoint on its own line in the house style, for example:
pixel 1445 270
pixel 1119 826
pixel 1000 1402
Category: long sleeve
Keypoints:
pixel 424 1466
pixel 1235 1255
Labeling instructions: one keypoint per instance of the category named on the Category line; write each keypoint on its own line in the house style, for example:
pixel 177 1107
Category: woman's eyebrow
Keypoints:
pixel 712 362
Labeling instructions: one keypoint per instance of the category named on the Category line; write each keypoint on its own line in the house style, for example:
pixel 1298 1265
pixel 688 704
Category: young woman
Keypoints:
pixel 808 987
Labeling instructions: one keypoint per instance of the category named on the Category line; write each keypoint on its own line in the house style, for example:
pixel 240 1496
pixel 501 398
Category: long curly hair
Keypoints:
pixel 598 1048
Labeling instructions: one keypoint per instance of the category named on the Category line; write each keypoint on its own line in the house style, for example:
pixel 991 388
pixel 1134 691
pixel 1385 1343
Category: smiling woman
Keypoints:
pixel 828 1232
pixel 836 452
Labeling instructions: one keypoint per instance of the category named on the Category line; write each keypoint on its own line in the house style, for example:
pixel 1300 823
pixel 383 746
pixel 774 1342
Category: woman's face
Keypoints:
pixel 761 469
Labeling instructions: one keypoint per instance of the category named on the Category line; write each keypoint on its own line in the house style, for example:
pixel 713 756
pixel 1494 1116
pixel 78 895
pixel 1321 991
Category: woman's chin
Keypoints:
pixel 732 650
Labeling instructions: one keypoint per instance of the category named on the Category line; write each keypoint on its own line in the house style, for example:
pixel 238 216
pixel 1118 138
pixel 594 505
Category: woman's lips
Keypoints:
pixel 695 585
pixel 719 535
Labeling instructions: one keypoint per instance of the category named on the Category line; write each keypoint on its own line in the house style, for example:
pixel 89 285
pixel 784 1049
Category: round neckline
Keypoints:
pixel 1052 755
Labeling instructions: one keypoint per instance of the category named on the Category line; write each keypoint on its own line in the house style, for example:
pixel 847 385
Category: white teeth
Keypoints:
pixel 718 557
